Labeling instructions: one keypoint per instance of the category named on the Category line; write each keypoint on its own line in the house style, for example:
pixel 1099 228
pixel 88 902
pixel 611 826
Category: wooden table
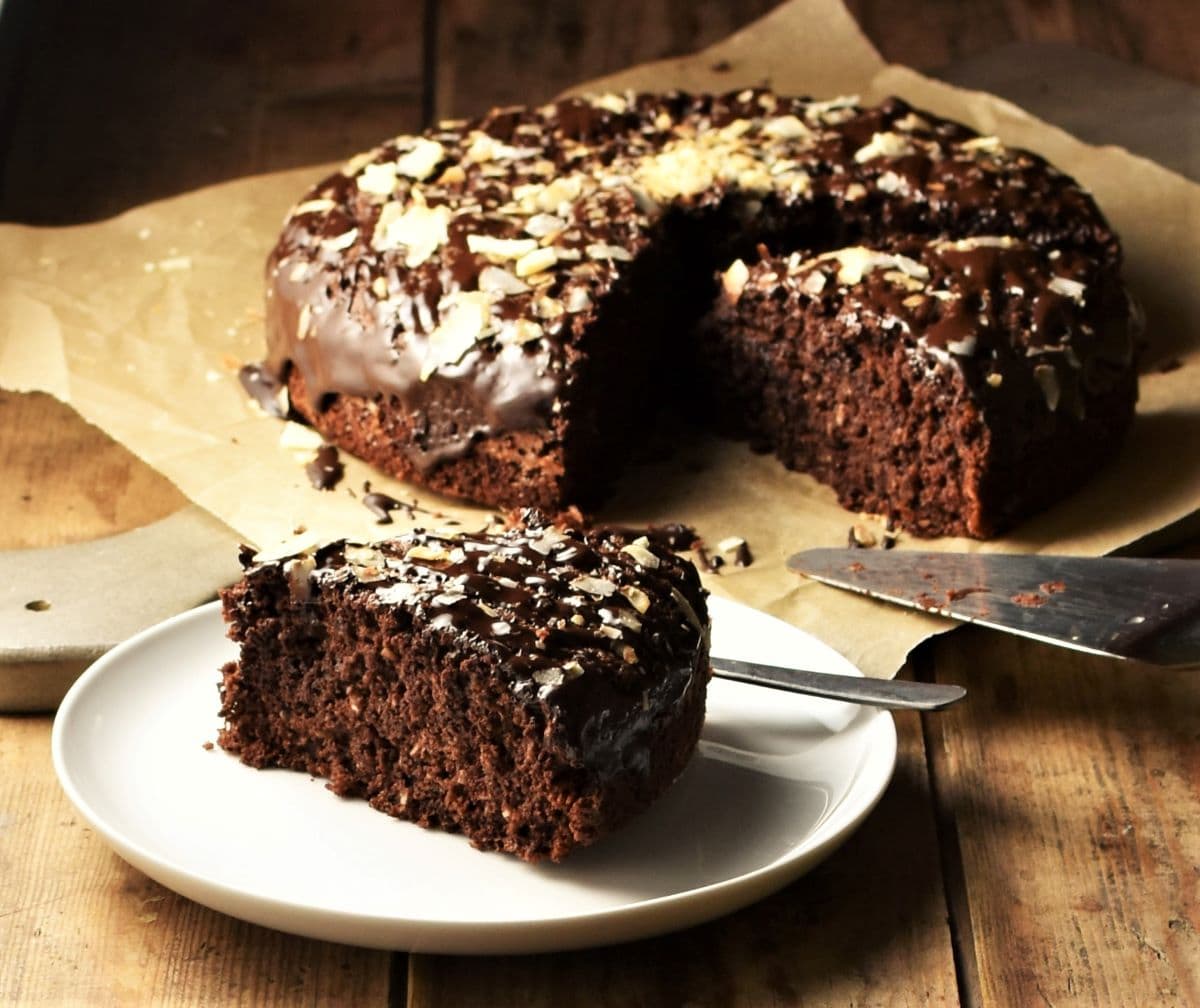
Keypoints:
pixel 1039 845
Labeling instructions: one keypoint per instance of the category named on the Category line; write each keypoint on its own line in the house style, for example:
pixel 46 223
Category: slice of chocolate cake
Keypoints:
pixel 532 688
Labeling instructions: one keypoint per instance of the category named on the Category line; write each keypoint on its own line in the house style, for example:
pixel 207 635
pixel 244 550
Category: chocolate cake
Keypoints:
pixel 498 307
pixel 532 688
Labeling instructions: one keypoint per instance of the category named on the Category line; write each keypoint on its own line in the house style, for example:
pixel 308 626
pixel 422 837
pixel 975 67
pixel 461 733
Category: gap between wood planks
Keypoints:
pixel 398 985
pixel 954 878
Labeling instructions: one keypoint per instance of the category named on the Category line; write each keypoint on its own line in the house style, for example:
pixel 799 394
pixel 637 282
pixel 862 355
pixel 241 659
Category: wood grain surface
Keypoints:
pixel 496 52
pixel 1075 788
pixel 67 481
pixel 1039 845
pixel 1163 35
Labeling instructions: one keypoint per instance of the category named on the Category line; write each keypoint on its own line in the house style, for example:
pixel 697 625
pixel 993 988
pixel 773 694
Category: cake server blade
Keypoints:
pixel 1142 609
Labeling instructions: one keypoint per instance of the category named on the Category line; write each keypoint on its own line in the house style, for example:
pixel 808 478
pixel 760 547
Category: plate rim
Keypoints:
pixel 626 922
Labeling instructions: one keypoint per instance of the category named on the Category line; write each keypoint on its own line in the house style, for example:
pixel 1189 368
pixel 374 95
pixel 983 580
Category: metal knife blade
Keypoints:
pixel 893 694
pixel 1147 610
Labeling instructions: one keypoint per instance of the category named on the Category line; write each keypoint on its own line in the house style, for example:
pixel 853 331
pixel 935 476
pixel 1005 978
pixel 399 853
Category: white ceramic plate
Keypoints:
pixel 779 781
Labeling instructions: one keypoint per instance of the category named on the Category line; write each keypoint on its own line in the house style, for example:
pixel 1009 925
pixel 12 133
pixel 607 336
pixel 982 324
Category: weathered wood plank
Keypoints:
pixel 1163 35
pixel 118 109
pixel 78 926
pixel 868 927
pixel 496 52
pixel 1075 786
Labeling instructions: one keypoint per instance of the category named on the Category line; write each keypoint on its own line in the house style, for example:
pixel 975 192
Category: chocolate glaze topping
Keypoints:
pixel 464 267
pixel 586 624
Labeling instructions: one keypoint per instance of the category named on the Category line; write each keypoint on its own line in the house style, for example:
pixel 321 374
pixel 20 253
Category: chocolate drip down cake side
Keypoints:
pixel 930 322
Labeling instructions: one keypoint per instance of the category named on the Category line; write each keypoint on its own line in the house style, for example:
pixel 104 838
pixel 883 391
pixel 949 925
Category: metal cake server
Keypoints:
pixel 1147 610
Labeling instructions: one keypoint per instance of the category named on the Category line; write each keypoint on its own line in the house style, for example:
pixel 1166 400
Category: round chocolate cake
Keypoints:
pixel 931 322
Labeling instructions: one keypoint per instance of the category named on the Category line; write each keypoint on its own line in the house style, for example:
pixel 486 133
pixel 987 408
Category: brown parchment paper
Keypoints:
pixel 140 322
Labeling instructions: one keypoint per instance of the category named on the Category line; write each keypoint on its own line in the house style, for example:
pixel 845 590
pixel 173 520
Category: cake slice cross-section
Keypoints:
pixel 532 687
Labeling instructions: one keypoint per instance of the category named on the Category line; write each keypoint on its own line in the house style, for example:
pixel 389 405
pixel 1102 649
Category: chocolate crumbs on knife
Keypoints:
pixel 1029 600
